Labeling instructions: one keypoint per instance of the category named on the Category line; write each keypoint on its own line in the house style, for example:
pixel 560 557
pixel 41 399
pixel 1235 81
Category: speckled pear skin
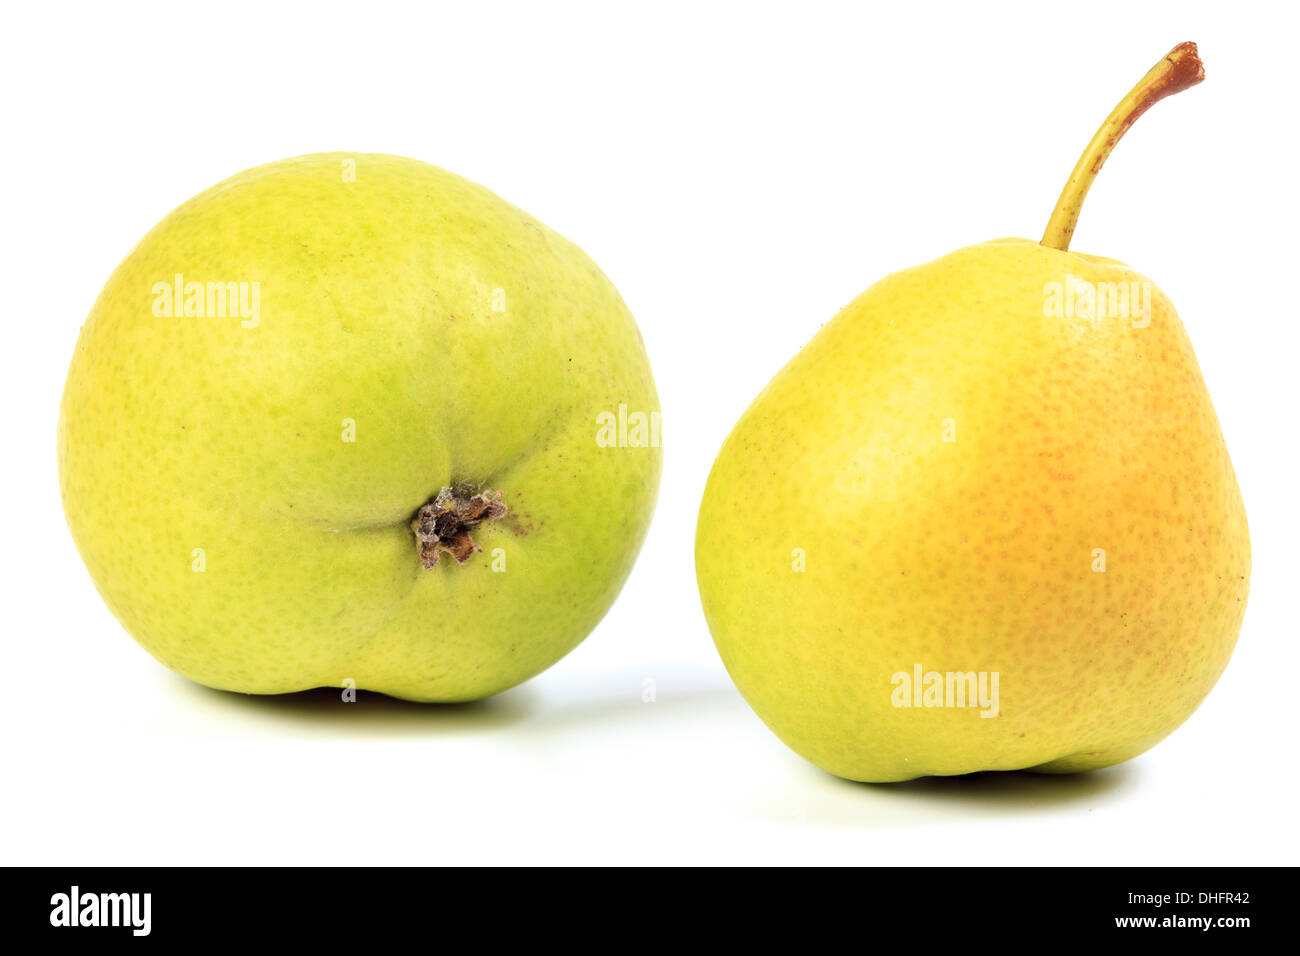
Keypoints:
pixel 464 340
pixel 977 554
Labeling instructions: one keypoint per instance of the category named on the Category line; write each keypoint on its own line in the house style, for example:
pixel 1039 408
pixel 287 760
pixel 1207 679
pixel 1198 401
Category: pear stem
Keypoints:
pixel 1180 69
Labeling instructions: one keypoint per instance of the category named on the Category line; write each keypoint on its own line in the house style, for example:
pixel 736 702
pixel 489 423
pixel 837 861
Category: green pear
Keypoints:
pixel 986 519
pixel 352 420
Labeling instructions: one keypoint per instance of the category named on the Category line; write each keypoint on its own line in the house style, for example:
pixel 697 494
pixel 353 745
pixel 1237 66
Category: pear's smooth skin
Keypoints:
pixel 1073 437
pixel 245 543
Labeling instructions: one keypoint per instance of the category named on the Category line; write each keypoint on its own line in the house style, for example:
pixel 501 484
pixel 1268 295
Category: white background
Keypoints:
pixel 740 172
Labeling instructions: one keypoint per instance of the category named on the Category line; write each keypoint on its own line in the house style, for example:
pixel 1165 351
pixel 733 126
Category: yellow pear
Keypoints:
pixel 986 519
pixel 350 420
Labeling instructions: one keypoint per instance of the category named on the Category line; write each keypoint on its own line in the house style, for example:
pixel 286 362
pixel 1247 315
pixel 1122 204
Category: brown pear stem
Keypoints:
pixel 1180 69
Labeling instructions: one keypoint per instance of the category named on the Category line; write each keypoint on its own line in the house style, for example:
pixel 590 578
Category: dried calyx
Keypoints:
pixel 444 522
